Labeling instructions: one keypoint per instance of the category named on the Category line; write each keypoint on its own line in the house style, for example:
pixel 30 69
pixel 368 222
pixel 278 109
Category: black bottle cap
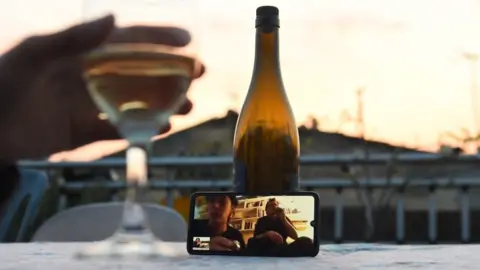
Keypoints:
pixel 267 16
pixel 267 11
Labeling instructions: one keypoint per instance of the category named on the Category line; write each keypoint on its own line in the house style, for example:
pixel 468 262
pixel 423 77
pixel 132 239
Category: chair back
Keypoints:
pixel 96 222
pixel 23 207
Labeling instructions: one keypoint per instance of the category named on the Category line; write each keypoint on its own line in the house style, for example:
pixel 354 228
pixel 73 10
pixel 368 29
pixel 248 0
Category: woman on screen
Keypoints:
pixel 223 237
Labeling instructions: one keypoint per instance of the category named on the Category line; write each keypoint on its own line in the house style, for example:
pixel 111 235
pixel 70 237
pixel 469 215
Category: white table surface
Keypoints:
pixel 58 256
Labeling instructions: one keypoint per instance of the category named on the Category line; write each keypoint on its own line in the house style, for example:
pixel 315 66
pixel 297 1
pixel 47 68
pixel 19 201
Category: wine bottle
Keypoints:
pixel 266 146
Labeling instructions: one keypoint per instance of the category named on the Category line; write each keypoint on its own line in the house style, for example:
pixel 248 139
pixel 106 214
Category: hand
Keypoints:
pixel 44 105
pixel 274 237
pixel 280 213
pixel 220 243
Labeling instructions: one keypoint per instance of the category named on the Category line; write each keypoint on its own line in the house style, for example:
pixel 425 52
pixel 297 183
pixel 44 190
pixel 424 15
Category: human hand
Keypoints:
pixel 280 213
pixel 274 237
pixel 44 105
pixel 220 243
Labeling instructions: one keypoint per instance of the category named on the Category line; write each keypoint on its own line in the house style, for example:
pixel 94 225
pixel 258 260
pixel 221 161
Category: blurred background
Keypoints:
pixel 364 77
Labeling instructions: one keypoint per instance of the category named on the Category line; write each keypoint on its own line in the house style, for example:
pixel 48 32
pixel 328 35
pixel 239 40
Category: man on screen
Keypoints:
pixel 271 233
pixel 197 243
pixel 223 237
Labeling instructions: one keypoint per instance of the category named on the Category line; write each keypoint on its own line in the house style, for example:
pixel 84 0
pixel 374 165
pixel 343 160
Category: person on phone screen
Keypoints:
pixel 272 231
pixel 197 243
pixel 223 237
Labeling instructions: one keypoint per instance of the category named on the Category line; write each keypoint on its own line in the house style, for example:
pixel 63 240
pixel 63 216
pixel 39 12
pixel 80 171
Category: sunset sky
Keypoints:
pixel 406 53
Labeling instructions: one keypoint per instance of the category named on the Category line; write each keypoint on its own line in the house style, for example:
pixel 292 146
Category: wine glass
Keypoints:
pixel 138 78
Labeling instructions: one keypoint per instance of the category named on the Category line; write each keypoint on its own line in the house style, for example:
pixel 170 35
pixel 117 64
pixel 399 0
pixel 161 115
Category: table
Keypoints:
pixel 58 256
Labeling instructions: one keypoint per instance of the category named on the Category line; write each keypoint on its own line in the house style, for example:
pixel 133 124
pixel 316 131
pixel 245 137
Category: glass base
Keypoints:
pixel 138 246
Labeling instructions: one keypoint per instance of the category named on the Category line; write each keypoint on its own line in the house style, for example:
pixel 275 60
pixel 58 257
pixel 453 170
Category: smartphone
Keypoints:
pixel 273 225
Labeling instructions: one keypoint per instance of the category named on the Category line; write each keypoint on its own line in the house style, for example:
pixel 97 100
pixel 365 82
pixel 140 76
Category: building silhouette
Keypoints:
pixel 214 137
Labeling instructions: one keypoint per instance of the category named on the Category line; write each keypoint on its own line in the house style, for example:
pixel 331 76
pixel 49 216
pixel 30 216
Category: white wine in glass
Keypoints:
pixel 138 82
pixel 138 79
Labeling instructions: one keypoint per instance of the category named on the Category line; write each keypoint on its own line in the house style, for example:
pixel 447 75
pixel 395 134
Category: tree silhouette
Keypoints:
pixel 459 139
pixel 344 119
pixel 312 123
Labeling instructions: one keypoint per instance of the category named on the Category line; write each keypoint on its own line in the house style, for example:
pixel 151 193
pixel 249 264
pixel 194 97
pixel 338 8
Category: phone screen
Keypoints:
pixel 273 225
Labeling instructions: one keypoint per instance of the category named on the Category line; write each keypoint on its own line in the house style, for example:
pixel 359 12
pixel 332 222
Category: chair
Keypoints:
pixel 95 222
pixel 22 209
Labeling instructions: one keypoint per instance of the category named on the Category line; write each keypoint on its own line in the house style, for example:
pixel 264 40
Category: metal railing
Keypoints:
pixel 339 185
pixel 318 160
pixel 397 184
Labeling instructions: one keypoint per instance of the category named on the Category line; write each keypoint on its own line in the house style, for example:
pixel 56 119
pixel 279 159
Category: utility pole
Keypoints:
pixel 360 119
pixel 472 58
pixel 360 125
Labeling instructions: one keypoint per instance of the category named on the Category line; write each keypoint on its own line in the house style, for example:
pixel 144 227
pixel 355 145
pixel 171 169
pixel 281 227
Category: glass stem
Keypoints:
pixel 134 219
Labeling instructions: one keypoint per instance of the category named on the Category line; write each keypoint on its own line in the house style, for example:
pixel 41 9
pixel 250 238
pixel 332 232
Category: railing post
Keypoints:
pixel 465 214
pixel 57 177
pixel 115 178
pixel 170 201
pixel 369 214
pixel 400 228
pixel 338 226
pixel 432 215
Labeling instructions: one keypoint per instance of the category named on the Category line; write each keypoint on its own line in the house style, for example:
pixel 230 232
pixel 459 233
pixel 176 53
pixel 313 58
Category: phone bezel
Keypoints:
pixel 316 230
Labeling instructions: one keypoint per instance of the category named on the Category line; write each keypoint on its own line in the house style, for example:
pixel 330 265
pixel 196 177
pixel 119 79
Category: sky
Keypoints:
pixel 406 54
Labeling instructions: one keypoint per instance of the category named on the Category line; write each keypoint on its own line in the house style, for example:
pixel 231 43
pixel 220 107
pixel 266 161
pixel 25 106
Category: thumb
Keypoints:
pixel 75 40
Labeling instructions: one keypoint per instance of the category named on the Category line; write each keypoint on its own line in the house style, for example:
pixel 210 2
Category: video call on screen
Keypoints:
pixel 254 225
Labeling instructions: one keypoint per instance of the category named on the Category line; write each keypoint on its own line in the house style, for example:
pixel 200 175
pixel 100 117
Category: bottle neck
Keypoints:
pixel 267 57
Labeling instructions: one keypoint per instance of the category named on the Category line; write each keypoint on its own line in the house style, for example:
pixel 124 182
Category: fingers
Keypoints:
pixel 85 37
pixel 186 108
pixel 170 36
pixel 166 129
pixel 199 70
pixel 72 41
